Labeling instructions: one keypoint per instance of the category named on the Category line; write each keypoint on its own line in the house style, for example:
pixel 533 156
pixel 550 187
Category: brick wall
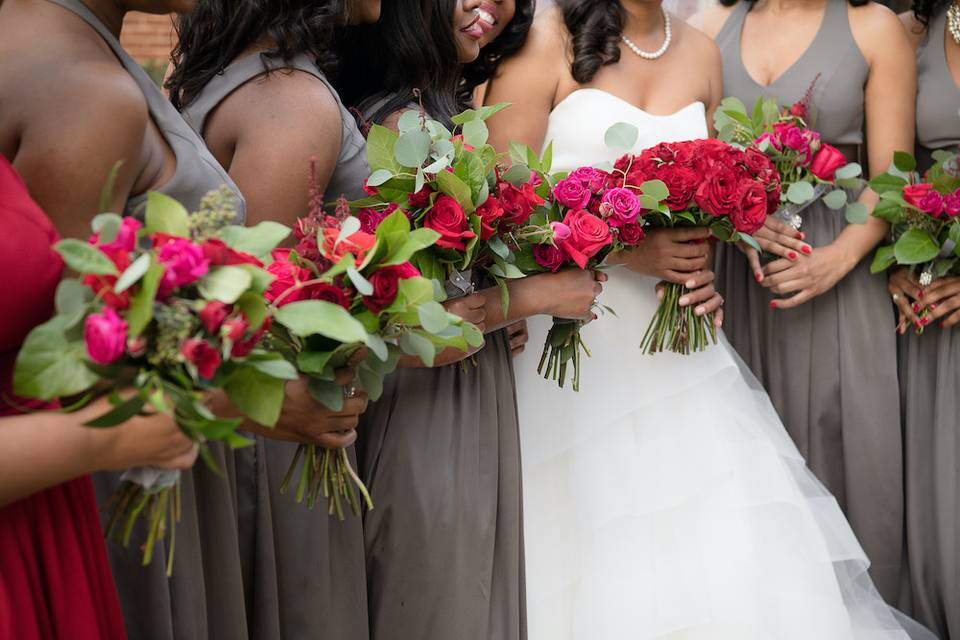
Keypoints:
pixel 148 37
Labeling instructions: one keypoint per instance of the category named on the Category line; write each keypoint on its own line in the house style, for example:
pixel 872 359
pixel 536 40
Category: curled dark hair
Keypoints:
pixel 217 31
pixel 853 3
pixel 923 10
pixel 510 41
pixel 411 48
pixel 595 27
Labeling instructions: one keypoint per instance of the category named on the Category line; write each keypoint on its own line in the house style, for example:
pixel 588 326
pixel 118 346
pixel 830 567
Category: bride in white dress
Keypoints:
pixel 665 500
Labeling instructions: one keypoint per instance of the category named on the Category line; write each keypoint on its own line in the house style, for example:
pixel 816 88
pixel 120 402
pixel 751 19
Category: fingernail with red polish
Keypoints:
pixel 916 307
pixel 773 304
pixel 801 235
pixel 792 255
pixel 920 295
pixel 933 306
pixel 943 325
pixel 758 275
pixel 806 250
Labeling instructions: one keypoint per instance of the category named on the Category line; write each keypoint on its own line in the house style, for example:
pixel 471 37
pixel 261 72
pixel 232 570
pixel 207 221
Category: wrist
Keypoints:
pixel 845 259
pixel 538 294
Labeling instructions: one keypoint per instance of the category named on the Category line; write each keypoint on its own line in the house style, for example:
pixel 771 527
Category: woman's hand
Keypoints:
pixel 702 293
pixel 807 277
pixel 518 335
pixel 942 299
pixel 670 254
pixel 906 292
pixel 472 309
pixel 571 293
pixel 776 238
pixel 154 441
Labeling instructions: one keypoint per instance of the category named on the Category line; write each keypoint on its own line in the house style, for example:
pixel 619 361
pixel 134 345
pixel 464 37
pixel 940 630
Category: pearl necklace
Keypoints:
pixel 646 55
pixel 953 22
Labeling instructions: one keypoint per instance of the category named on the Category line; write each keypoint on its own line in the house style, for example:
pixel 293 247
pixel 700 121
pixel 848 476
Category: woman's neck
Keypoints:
pixel 786 6
pixel 110 13
pixel 643 16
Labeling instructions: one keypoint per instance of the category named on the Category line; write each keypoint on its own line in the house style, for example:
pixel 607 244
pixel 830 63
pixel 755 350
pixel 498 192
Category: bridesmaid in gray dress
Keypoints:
pixel 814 331
pixel 440 450
pixel 263 104
pixel 929 363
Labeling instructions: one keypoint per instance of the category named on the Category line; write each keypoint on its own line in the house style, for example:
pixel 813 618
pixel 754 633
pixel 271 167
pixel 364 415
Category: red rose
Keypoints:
pixel 588 235
pixel 799 110
pixel 420 199
pixel 718 194
pixel 328 292
pixel 682 183
pixel 517 204
pixel 370 219
pixel 549 256
pixel 490 213
pixel 236 327
pixel 356 245
pixel 218 254
pixel 631 234
pixel 242 348
pixel 447 218
pixel 386 284
pixel 759 164
pixel 750 215
pixel 773 197
pixel 103 285
pixel 213 314
pixel 826 162
pixel 571 193
pixel 201 355
pixel 913 194
pixel 285 276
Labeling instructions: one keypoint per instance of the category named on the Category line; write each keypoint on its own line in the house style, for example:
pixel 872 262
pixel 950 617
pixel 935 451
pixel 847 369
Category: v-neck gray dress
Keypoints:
pixel 930 391
pixel 204 598
pixel 829 365
pixel 440 453
pixel 303 569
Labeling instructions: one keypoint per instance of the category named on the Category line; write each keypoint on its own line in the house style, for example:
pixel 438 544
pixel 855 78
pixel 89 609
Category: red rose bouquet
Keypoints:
pixel 343 289
pixel 710 184
pixel 173 308
pixel 450 184
pixel 809 168
pixel 924 216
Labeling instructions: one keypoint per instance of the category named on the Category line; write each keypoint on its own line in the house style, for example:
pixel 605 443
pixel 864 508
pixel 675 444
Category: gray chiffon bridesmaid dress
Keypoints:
pixel 440 453
pixel 830 364
pixel 303 570
pixel 930 390
pixel 204 598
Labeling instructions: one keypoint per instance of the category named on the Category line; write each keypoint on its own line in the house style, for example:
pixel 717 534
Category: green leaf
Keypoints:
pixel 361 284
pixel 261 278
pixel 418 240
pixel 433 317
pixel 851 170
pixel 347 228
pixel 258 240
pixel 409 119
pixel 915 246
pixel 953 233
pixel 622 136
pixel 133 273
pixel 475 133
pixel 415 344
pixel 85 258
pixel 377 346
pixel 380 144
pixel 71 297
pixel 119 413
pixel 225 284
pixel 141 304
pixel 656 189
pixel 313 361
pixel 166 215
pixel 518 153
pixel 835 199
pixel 309 317
pixel 498 247
pixel 546 161
pixel 857 213
pixel 275 367
pixel 254 307
pixel 257 395
pixel 457 189
pixel 748 239
pixel 883 259
pixel 517 175
pixel 472 334
pixel 412 148
pixel 48 366
pixel 106 194
pixel 800 192
pixel 887 182
pixel 327 393
pixel 107 225
pixel 904 161
pixel 378 177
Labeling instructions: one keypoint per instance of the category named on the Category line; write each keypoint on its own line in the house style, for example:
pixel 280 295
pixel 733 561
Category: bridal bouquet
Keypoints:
pixel 709 184
pixel 173 308
pixel 450 184
pixel 924 216
pixel 809 168
pixel 343 290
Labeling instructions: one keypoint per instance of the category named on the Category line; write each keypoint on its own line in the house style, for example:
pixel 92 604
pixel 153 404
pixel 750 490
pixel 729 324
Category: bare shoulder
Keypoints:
pixel 711 20
pixel 915 28
pixel 877 29
pixel 698 43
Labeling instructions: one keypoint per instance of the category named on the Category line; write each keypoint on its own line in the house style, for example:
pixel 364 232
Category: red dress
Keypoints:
pixel 55 580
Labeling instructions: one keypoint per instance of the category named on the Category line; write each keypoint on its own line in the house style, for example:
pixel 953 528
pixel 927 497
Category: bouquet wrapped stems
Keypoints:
pixel 326 471
pixel 678 329
pixel 562 346
pixel 159 505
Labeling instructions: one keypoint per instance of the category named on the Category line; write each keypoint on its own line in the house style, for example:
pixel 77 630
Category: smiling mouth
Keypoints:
pixel 487 17
pixel 477 27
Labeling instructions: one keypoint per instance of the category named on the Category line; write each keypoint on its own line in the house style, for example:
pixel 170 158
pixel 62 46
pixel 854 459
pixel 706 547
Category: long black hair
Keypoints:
pixel 923 10
pixel 510 41
pixel 217 31
pixel 412 48
pixel 595 27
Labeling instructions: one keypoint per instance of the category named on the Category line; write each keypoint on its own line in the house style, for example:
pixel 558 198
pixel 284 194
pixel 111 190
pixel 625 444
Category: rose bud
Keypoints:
pixel 202 356
pixel 213 314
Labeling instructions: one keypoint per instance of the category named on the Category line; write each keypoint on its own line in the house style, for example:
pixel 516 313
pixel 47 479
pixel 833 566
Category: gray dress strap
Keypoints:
pixel 829 365
pixel 352 161
pixel 938 96
pixel 197 170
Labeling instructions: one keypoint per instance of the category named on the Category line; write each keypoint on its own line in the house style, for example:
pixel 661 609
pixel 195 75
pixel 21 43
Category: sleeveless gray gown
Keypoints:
pixel 303 569
pixel 440 453
pixel 830 364
pixel 930 391
pixel 204 598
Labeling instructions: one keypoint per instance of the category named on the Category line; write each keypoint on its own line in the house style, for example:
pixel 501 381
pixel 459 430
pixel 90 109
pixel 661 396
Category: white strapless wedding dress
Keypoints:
pixel 665 499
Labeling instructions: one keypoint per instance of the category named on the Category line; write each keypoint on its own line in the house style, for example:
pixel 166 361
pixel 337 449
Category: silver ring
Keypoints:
pixel 896 297
pixel 349 391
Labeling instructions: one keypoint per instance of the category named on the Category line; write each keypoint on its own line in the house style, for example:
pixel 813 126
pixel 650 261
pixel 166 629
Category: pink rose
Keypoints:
pixel 183 264
pixel 622 205
pixel 792 137
pixel 105 336
pixel 751 213
pixel 561 231
pixel 202 356
pixel 951 204
pixel 593 179
pixel 213 314
pixel 631 234
pixel 448 218
pixel 102 285
pixel 236 327
pixel 286 275
pixel 917 195
pixel 571 193
pixel 769 137
pixel 826 162
pixel 549 256
pixel 386 285
pixel 931 204
pixel 126 239
pixel 588 235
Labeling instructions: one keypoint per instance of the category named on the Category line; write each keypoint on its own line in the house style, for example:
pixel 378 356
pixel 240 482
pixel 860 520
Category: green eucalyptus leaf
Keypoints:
pixel 433 317
pixel 380 144
pixel 258 395
pixel 472 334
pixel 225 284
pixel 309 317
pixel 377 346
pixel 857 213
pixel 275 367
pixel 475 133
pixel 851 170
pixel 409 119
pixel 412 148
pixel 49 366
pixel 85 258
pixel 313 361
pixel 621 136
pixel 166 215
pixel 106 225
pixel 517 175
pixel 254 308
pixel 327 393
pixel 835 199
pixel 362 285
pixel 258 240
pixel 347 228
pixel 133 273
pixel 656 189
pixel 748 239
pixel 141 304
pixel 415 344
pixel 800 192
pixel 71 297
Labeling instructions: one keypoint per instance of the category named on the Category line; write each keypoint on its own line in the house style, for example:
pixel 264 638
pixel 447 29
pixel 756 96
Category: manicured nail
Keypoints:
pixel 792 255
pixel 920 295
pixel 917 324
pixel 700 311
pixel 758 275
pixel 801 235
pixel 659 294
pixel 933 306
pixel 901 329
pixel 690 284
pixel 925 321
pixel 806 250
pixel 773 304
pixel 916 307
pixel 684 301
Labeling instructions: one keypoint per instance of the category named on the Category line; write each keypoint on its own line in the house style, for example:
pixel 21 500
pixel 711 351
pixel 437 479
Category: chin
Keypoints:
pixel 468 51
